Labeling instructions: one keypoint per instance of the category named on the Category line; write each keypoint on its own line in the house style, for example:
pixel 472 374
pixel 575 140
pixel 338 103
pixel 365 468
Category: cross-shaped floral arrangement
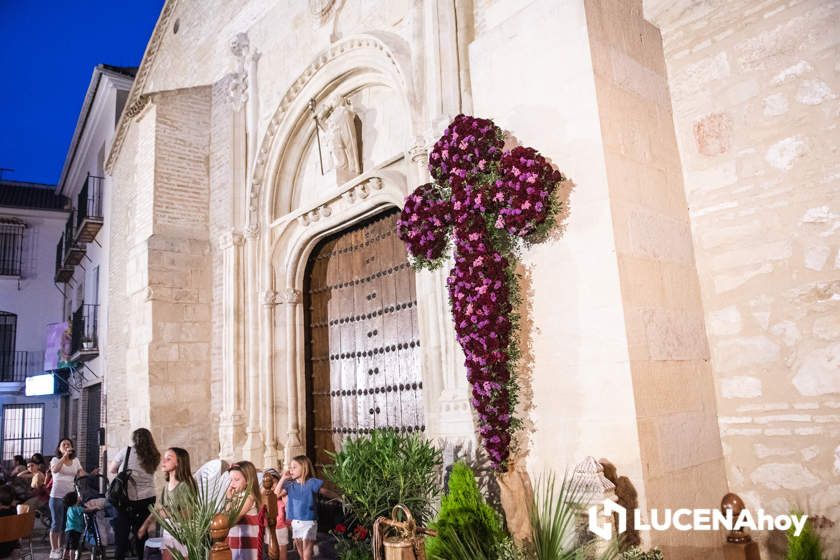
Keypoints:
pixel 493 202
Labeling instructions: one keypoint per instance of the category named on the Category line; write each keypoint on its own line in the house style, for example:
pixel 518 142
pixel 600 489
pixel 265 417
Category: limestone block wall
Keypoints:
pixel 755 96
pixel 669 357
pixel 127 368
pixel 576 341
pixel 180 275
pixel 159 340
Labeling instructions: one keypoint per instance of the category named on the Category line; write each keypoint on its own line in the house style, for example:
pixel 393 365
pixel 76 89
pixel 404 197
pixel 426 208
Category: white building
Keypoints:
pixel 32 218
pixel 84 266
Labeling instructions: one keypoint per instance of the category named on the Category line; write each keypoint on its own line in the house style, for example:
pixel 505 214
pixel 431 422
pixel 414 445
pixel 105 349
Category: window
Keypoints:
pixel 8 332
pixel 11 245
pixel 23 426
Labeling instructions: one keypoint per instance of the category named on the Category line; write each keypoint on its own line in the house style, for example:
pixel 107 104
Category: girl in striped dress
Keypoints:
pixel 246 535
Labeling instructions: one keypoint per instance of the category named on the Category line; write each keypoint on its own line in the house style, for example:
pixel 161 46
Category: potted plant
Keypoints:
pixel 190 517
pixel 377 472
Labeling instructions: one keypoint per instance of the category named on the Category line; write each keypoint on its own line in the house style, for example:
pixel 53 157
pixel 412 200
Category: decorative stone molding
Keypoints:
pixel 419 154
pixel 342 48
pixel 238 79
pixel 139 84
pixel 252 231
pixel 230 238
pixel 314 215
pixel 320 10
pixel 269 298
pixel 136 108
pixel 289 295
pixel 362 190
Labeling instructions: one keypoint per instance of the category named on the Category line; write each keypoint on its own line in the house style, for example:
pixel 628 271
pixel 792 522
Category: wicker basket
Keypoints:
pixel 407 541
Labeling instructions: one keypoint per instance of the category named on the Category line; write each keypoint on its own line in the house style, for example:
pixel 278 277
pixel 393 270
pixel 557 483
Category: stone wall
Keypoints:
pixel 669 356
pixel 754 88
pixel 159 326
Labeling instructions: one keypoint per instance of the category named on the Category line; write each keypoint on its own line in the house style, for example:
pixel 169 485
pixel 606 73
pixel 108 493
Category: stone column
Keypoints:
pixel 441 72
pixel 291 298
pixel 253 440
pixel 232 421
pixel 446 395
pixel 267 389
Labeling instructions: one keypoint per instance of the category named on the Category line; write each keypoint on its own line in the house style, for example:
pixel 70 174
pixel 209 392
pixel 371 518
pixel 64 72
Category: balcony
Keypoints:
pixel 89 210
pixel 73 251
pixel 84 342
pixel 62 273
pixel 15 367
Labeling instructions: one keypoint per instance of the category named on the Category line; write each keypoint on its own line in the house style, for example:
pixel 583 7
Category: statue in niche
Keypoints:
pixel 342 142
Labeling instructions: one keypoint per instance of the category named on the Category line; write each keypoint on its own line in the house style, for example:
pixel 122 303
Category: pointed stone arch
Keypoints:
pixel 362 59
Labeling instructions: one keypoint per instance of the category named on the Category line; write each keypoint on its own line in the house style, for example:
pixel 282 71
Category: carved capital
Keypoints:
pixel 419 154
pixel 252 231
pixel 269 298
pixel 231 238
pixel 289 295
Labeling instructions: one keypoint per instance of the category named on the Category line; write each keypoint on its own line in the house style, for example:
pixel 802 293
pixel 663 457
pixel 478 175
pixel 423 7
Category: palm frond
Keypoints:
pixel 189 515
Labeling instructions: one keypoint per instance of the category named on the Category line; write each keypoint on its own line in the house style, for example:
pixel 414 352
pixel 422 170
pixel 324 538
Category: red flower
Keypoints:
pixel 360 533
pixel 340 529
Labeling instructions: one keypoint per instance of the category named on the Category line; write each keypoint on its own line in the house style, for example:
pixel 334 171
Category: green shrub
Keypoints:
pixel 468 528
pixel 384 469
pixel 637 553
pixel 806 546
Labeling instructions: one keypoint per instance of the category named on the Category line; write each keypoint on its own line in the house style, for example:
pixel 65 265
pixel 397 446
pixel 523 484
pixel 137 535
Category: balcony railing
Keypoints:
pixel 15 366
pixel 62 273
pixel 73 251
pixel 89 210
pixel 84 344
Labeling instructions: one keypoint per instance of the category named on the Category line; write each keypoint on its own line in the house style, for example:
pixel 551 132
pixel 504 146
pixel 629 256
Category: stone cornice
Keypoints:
pixel 136 93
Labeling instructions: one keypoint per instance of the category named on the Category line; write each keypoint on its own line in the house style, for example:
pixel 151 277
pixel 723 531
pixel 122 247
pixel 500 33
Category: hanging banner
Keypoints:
pixel 57 352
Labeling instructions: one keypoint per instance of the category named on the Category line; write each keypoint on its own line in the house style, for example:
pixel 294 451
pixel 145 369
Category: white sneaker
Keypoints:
pixel 55 554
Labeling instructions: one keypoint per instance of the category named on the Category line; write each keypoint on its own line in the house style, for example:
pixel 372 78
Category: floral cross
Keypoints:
pixel 491 201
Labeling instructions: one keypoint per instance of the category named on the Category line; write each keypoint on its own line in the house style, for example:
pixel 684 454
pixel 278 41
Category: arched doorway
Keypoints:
pixel 363 364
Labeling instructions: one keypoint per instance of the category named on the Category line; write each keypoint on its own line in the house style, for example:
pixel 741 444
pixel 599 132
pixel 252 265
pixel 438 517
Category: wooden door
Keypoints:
pixel 362 338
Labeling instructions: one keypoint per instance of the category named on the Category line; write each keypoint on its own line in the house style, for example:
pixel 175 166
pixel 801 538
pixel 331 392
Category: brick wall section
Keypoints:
pixel 755 95
pixel 672 379
pixel 180 275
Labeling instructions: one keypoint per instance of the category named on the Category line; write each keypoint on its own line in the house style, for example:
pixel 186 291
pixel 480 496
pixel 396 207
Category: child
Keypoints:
pixel 299 484
pixel 74 526
pixel 179 480
pixel 282 527
pixel 246 535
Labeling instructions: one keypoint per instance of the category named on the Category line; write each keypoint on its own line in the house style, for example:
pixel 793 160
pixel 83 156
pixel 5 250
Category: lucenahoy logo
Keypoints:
pixel 684 519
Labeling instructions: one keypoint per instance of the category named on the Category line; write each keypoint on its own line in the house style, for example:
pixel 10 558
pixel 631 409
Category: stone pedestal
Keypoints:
pixel 742 551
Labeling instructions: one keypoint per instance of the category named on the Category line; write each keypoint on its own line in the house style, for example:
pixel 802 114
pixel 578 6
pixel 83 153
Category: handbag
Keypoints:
pixel 118 488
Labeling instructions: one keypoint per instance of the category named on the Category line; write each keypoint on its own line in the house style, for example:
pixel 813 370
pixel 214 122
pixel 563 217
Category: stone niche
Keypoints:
pixel 382 131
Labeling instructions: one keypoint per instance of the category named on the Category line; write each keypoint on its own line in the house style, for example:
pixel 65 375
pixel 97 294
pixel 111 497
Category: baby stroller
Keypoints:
pixel 91 491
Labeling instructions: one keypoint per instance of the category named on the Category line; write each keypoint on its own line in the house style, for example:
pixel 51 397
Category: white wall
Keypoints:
pixel 34 298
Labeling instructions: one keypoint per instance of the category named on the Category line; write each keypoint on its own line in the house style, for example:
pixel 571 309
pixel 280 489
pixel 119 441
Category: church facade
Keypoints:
pixel 682 323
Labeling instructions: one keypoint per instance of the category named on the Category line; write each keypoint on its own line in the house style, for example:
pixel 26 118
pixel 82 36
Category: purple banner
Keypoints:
pixel 58 345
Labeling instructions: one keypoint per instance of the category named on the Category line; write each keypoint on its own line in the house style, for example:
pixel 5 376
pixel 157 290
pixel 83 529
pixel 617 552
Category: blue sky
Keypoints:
pixel 47 56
